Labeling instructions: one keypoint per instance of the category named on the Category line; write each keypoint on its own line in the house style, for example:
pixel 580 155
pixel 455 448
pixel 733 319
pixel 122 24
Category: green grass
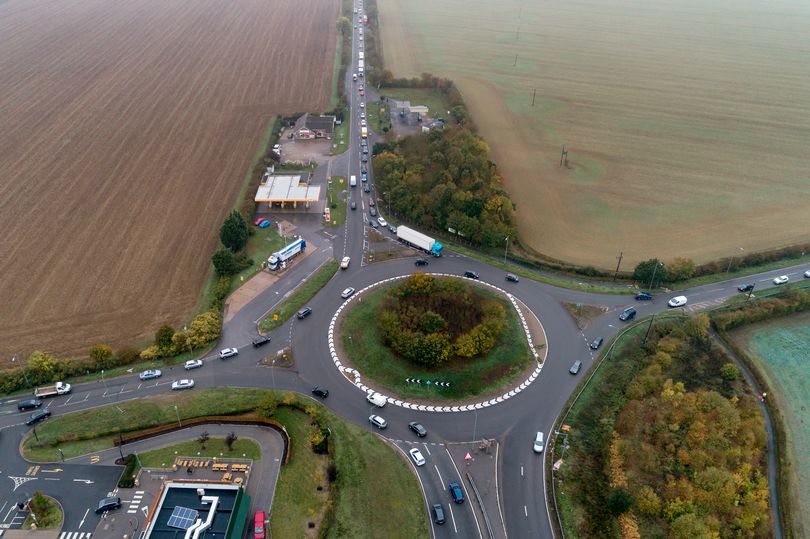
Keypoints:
pixel 487 375
pixel 214 447
pixel 377 116
pixel 333 99
pixel 340 142
pixel 299 297
pixel 161 363
pixel 421 96
pixel 742 272
pixel 46 518
pixel 337 192
pixel 261 244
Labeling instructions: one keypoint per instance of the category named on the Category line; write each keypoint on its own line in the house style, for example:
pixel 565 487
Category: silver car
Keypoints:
pixel 150 374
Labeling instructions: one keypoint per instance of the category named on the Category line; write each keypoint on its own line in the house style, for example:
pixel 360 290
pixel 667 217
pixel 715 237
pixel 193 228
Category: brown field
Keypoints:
pixel 127 129
pixel 687 123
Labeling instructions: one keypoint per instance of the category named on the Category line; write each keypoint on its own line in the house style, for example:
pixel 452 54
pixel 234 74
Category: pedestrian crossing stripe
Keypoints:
pixel 93 460
pixel 75 535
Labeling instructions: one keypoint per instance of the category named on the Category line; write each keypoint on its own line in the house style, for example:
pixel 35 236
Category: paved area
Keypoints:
pixel 477 463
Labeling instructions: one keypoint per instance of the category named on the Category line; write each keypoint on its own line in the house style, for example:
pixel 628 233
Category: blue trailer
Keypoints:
pixel 280 257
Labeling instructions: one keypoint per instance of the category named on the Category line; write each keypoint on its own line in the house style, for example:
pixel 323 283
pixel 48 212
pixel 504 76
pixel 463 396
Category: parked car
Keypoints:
pixel 347 293
pixel 416 456
pixel 258 525
pixel 782 279
pixel 260 340
pixel 627 314
pixel 373 223
pixel 378 421
pixel 677 301
pixel 512 278
pixel 421 262
pixel 362 115
pixel 38 416
pixel 471 274
pixel 438 513
pixel 418 428
pixel 596 343
pixel 264 224
pixel 365 146
pixel 538 445
pixel 362 105
pixel 455 492
pixel 150 374
pixel 353 205
pixel 185 383
pixel 193 364
pixel 259 220
pixel 746 287
pixel 108 504
pixel 29 404
pixel 303 313
pixel 363 168
pixel 575 367
pixel 644 296
pixel 344 264
pixel 383 222
pixel 225 353
pixel 321 392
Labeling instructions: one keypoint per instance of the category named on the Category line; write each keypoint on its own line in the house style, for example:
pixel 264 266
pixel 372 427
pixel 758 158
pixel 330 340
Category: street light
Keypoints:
pixel 178 416
pixel 506 249
pixel 730 261
pixel 657 263
pixel 25 374
pixel 103 381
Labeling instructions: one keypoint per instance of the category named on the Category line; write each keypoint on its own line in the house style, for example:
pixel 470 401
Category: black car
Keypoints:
pixel 627 314
pixel 366 188
pixel 372 211
pixel 108 504
pixel 364 168
pixel 421 262
pixel 38 416
pixel 303 313
pixel 418 429
pixel 471 274
pixel 320 392
pixel 512 278
pixel 365 159
pixel 644 296
pixel 260 341
pixel 354 205
pixel 596 343
pixel 373 223
pixel 746 287
pixel 438 513
pixel 365 149
pixel 29 404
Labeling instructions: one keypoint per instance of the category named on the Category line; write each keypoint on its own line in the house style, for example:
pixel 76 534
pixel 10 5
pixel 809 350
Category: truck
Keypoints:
pixel 360 55
pixel 59 388
pixel 292 250
pixel 364 132
pixel 420 241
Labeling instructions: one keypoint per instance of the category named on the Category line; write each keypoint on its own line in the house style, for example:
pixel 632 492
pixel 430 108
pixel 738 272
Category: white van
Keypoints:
pixel 376 399
pixel 353 181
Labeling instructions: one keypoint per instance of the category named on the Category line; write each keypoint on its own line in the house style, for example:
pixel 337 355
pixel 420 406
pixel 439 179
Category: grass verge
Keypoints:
pixel 299 297
pixel 340 142
pixel 741 272
pixel 45 512
pixel 487 375
pixel 377 116
pixel 163 457
pixel 337 204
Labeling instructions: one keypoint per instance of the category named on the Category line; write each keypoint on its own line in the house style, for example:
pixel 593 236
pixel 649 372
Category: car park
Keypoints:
pixel 29 404
pixel 596 343
pixel 627 314
pixel 512 278
pixel 455 492
pixel 258 525
pixel 575 367
pixel 438 513
pixel 225 353
pixel 782 279
pixel 353 205
pixel 644 296
pixel 538 444
pixel 344 264
pixel 746 287
pixel 303 313
pixel 372 211
pixel 321 392
pixel 416 456
pixel 421 262
pixel 185 383
pixel 150 374
pixel 383 222
pixel 38 416
pixel 108 504
pixel 377 421
pixel 418 428
pixel 347 293
pixel 471 274
pixel 677 301
pixel 193 364
pixel 260 340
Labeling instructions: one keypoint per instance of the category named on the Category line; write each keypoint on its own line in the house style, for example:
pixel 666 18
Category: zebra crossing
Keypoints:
pixel 75 535
pixel 136 501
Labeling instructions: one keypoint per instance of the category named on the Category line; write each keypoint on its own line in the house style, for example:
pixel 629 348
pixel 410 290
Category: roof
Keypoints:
pixel 320 123
pixel 419 109
pixel 285 188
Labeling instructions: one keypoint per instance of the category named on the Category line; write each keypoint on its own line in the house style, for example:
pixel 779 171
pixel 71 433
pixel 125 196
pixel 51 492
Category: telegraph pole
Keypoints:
pixel 619 258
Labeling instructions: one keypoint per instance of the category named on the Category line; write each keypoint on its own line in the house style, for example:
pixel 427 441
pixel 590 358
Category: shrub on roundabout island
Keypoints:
pixel 430 320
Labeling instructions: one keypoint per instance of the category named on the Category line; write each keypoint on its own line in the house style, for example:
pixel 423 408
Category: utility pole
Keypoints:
pixel 506 250
pixel 655 269
pixel 649 328
pixel 534 95
pixel 619 258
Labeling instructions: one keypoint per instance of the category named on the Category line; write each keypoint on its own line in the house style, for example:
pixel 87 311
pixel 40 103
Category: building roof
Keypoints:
pixel 286 188
pixel 419 109
pixel 320 123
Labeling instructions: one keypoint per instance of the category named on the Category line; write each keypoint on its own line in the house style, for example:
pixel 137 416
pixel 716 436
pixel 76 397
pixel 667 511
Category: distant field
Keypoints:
pixel 782 347
pixel 127 129
pixel 686 122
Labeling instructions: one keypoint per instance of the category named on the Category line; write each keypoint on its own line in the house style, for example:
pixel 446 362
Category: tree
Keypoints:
pixel 102 355
pixel 681 269
pixel 234 232
pixel 202 438
pixel 163 337
pixel 619 501
pixel 41 367
pixel 230 439
pixel 648 502
pixel 729 372
pixel 205 327
pixel 646 272
pixel 343 25
pixel 224 262
pixel 267 407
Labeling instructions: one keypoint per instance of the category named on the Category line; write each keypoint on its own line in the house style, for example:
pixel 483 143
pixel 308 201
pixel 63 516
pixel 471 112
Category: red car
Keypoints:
pixel 371 202
pixel 362 92
pixel 260 220
pixel 258 525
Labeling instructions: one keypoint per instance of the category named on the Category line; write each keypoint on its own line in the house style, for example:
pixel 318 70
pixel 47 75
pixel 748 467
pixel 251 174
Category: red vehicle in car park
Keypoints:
pixel 258 525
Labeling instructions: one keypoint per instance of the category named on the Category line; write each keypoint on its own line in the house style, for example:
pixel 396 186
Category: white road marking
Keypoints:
pixel 84 517
pixel 426 449
pixel 525 512
pixel 452 517
pixel 521 471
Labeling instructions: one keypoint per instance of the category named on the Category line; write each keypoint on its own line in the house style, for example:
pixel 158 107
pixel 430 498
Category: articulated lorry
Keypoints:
pixel 280 257
pixel 419 240
pixel 59 388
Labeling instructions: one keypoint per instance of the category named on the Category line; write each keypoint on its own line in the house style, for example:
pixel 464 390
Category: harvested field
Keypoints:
pixel 686 123
pixel 128 128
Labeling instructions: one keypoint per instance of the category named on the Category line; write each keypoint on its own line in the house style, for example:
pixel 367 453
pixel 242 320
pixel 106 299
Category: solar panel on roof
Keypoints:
pixel 182 517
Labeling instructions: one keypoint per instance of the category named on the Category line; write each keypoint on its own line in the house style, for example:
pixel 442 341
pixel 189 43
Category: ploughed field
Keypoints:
pixel 127 129
pixel 686 122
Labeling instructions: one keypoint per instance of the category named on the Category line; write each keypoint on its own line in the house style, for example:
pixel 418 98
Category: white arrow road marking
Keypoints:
pixel 85 481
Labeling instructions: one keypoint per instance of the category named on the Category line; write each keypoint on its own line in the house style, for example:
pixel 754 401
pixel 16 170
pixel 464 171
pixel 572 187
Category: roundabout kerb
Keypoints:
pixel 353 376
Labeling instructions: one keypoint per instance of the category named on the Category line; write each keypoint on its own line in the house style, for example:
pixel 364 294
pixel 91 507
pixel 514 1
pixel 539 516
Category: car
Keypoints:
pixel 366 188
pixel 276 148
pixel 392 229
pixel 471 274
pixel 373 224
pixel 455 492
pixel 746 287
pixel 372 211
pixel 512 278
pixel 596 343
pixel 193 364
pixel 29 404
pixel 38 416
pixel 416 456
pixel 148 375
pixel 344 264
pixel 421 262
pixel 258 525
pixel 644 296
pixel 185 383
pixel 364 159
pixel 677 301
pixel 782 279
pixel 362 105
pixel 264 224
pixel 363 177
pixel 363 124
pixel 108 504
pixel 807 274
pixel 538 445
pixel 259 220
pixel 383 222
pixel 353 205
pixel 260 340
pixel 371 202
pixel 303 313
pixel 438 513
pixel 418 428
pixel 321 392
pixel 627 314
pixel 225 353
pixel 362 115
pixel 347 293
pixel 362 92
pixel 363 168
pixel 377 421
pixel 575 367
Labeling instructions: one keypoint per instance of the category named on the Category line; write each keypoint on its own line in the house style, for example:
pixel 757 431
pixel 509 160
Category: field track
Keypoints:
pixel 127 128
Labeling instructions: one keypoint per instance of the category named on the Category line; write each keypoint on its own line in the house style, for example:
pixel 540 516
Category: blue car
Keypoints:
pixel 264 224
pixel 456 493
pixel 644 296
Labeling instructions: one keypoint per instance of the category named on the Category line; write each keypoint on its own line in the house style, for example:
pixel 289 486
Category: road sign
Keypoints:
pixel 468 456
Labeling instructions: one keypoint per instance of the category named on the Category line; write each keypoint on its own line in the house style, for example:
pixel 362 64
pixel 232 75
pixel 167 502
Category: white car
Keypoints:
pixel 416 456
pixel 383 222
pixel 228 352
pixel 362 104
pixel 277 148
pixel 363 123
pixel 782 279
pixel 148 375
pixel 807 274
pixel 362 115
pixel 538 443
pixel 345 262
pixel 185 383
pixel 677 301
pixel 347 293
pixel 193 364
pixel 378 421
